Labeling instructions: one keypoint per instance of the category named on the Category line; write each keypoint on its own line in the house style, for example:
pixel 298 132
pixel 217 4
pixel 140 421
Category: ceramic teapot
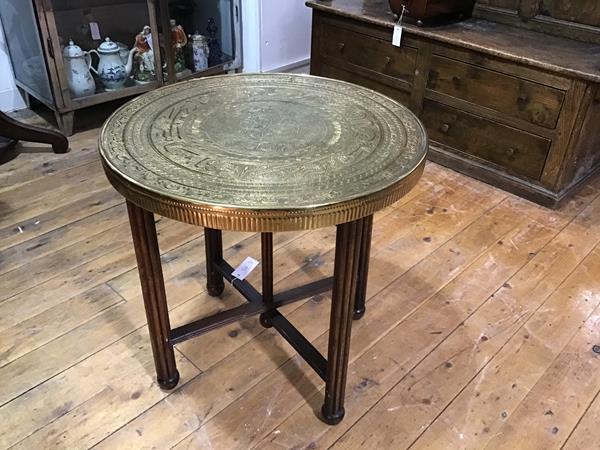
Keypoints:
pixel 77 65
pixel 112 71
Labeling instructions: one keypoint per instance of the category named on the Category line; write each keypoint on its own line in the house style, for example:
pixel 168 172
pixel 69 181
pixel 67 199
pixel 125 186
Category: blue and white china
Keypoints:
pixel 112 71
pixel 77 66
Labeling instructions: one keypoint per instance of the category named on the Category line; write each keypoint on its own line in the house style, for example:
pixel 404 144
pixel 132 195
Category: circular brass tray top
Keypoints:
pixel 263 152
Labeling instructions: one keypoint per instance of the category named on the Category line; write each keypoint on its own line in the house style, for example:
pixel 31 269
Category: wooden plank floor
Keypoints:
pixel 483 310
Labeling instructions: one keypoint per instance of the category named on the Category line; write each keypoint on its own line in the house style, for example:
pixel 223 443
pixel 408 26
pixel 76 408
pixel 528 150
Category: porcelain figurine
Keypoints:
pixel 111 70
pixel 77 65
pixel 200 51
pixel 215 56
pixel 144 68
pixel 178 40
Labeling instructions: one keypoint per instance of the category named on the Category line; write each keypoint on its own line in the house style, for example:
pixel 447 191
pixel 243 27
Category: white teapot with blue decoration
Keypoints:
pixel 77 65
pixel 112 71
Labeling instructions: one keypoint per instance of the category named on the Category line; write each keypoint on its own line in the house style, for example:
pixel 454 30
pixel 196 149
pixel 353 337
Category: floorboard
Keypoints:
pixel 482 313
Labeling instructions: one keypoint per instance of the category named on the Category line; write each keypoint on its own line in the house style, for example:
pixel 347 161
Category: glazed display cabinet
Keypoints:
pixel 72 54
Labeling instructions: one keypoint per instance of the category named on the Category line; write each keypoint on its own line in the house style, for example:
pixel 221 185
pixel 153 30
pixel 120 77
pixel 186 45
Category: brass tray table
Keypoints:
pixel 262 153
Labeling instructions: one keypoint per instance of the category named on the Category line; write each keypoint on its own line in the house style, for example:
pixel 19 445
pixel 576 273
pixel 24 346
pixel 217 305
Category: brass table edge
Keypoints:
pixel 264 220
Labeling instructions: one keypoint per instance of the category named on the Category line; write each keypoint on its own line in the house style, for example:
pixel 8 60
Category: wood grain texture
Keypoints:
pixel 460 274
pixel 552 53
pixel 574 19
pixel 522 121
pixel 518 152
pixel 528 101
pixel 368 52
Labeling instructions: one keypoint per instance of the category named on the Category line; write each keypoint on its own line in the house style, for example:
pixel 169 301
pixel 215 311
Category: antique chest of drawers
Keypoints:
pixel 513 107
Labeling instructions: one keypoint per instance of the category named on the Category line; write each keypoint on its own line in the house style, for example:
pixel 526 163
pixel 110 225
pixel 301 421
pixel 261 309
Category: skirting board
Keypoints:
pixel 292 66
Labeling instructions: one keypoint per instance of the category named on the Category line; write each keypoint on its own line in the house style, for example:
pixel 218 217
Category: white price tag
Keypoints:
pixel 244 269
pixel 397 37
pixel 95 31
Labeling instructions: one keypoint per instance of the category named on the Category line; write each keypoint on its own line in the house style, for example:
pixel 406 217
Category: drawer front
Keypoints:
pixel 369 52
pixel 516 151
pixel 525 100
pixel 344 75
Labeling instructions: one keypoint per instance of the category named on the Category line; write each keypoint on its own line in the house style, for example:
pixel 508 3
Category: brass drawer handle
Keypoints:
pixel 341 46
pixel 445 128
pixel 511 151
pixel 388 60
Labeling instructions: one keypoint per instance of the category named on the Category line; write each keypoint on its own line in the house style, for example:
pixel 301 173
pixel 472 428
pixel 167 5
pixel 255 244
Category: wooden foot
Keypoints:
pixel 265 320
pixel 363 269
pixel 64 121
pixel 147 253
pixel 213 243
pixel 347 253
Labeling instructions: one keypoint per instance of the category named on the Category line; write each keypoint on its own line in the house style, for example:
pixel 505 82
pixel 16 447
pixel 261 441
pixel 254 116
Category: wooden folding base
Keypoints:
pixel 348 286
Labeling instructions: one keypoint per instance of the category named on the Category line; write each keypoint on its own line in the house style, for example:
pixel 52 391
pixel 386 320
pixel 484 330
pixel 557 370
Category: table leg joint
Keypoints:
pixel 297 340
pixel 253 307
pixel 242 286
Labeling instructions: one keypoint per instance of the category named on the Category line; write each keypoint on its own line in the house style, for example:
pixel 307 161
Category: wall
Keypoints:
pixel 276 34
pixel 10 99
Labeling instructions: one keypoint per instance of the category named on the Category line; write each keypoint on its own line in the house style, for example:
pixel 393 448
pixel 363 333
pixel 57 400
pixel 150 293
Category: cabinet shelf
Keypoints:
pixel 38 32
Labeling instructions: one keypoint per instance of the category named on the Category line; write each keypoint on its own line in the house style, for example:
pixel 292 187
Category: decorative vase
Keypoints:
pixel 200 51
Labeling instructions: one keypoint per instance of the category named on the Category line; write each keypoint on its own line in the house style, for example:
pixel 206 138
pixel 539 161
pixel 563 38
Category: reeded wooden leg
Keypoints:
pixel 347 253
pixel 147 253
pixel 213 242
pixel 363 268
pixel 266 245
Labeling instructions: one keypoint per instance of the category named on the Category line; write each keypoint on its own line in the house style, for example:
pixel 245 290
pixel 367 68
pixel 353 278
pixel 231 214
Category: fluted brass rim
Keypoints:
pixel 171 202
pixel 261 220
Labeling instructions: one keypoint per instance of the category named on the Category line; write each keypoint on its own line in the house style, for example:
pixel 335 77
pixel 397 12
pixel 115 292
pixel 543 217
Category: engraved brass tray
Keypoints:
pixel 263 152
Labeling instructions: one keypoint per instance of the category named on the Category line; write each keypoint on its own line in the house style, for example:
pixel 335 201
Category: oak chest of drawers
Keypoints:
pixel 513 107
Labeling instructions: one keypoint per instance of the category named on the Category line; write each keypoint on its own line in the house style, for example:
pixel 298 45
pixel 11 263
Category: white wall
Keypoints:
pixel 10 99
pixel 251 35
pixel 276 34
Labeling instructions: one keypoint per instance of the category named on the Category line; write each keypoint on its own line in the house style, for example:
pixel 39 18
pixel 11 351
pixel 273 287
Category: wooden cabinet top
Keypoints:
pixel 556 54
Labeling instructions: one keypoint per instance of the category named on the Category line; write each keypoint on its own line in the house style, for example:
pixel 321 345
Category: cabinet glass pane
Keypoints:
pixel 25 48
pixel 203 34
pixel 106 32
